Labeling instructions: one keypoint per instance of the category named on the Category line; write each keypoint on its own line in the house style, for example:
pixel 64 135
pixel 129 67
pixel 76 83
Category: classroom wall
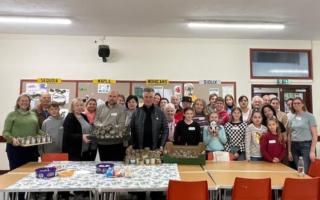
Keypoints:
pixel 75 57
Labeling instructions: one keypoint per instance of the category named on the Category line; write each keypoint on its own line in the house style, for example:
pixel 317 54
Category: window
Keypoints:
pixel 273 63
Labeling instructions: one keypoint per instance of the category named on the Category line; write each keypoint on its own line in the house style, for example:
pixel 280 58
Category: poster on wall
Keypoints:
pixel 177 91
pixel 227 90
pixel 104 88
pixel 188 89
pixel 138 91
pixel 167 93
pixel 214 91
pixel 158 89
pixel 34 90
pixel 60 95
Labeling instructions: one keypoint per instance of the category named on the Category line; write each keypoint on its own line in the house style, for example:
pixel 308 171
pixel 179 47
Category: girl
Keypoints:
pixel 253 134
pixel 235 131
pixel 201 113
pixel 272 144
pixel 212 103
pixel 229 103
pixel 214 137
pixel 246 111
pixel 163 103
pixel 187 131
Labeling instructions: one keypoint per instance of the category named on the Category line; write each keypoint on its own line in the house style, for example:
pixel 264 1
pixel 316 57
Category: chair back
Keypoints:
pixel 300 189
pixel 49 157
pixel 251 189
pixel 184 190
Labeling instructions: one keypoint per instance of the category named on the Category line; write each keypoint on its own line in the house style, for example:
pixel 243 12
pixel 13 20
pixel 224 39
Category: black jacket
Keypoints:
pixel 72 137
pixel 160 128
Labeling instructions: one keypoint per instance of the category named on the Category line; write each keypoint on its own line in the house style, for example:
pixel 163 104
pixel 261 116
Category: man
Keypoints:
pixel 266 99
pixel 175 100
pixel 41 109
pixel 186 103
pixel 257 103
pixel 149 126
pixel 282 116
pixel 111 114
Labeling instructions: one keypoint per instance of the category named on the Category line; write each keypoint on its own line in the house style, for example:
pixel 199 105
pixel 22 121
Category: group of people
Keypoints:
pixel 257 132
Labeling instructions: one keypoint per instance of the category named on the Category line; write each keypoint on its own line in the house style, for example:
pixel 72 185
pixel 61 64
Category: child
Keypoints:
pixel 235 132
pixel 54 127
pixel 253 134
pixel 187 131
pixel 214 137
pixel 272 143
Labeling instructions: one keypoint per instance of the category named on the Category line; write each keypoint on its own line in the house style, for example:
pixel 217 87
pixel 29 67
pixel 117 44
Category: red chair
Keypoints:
pixel 184 190
pixel 300 189
pixel 314 169
pixel 251 189
pixel 49 157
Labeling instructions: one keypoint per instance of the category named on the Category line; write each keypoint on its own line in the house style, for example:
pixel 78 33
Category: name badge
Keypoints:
pixel 298 118
pixel 201 118
pixel 114 114
pixel 235 128
pixel 192 128
pixel 272 141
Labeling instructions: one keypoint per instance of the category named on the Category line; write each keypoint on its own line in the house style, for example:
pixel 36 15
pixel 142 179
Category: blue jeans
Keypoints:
pixel 301 149
pixel 256 159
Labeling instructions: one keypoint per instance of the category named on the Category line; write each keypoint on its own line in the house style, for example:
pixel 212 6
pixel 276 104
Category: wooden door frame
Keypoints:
pixel 283 87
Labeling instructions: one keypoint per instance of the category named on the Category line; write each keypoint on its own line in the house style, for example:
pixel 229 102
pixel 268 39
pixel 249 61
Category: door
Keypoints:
pixel 284 92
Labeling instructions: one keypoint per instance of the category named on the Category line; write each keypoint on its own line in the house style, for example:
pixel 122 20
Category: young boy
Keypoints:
pixel 53 126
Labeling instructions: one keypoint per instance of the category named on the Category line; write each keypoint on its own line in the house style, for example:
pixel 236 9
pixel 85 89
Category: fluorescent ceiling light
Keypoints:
pixel 234 25
pixel 35 20
pixel 289 71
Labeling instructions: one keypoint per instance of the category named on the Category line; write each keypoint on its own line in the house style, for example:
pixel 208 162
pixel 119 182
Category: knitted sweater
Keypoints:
pixel 21 124
pixel 252 140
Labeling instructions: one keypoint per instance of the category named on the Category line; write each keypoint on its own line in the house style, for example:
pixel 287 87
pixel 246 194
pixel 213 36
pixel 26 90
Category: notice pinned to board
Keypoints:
pixel 104 81
pixel 49 80
pixel 210 82
pixel 104 88
pixel 157 81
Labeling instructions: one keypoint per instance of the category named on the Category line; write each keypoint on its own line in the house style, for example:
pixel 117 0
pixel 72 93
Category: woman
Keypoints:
pixel 200 110
pixel 90 113
pixel 229 103
pixel 169 111
pixel 302 132
pixel 212 105
pixel 121 99
pixel 268 112
pixel 156 100
pixel 90 110
pixel 21 123
pixel 131 105
pixel 246 111
pixel 163 103
pixel 75 134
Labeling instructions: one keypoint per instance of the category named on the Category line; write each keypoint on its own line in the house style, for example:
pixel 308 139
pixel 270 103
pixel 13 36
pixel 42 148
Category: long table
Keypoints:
pixel 219 175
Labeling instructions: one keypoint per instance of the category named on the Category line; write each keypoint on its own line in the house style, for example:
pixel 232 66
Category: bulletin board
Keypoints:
pixel 87 89
pixel 204 90
pixel 165 90
pixel 62 92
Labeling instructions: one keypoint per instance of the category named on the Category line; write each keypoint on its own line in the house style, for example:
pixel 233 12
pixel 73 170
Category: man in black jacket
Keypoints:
pixel 149 127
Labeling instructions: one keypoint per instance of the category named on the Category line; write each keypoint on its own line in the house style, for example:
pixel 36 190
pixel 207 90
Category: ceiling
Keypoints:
pixel 166 18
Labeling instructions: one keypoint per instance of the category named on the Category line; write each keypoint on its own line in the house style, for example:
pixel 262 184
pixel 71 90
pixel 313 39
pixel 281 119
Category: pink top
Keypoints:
pixel 90 116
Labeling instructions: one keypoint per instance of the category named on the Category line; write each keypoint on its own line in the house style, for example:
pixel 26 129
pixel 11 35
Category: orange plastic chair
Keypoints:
pixel 314 169
pixel 300 189
pixel 49 157
pixel 184 190
pixel 251 189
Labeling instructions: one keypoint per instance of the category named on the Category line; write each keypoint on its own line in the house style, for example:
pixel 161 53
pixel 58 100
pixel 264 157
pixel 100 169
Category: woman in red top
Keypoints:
pixel 272 144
